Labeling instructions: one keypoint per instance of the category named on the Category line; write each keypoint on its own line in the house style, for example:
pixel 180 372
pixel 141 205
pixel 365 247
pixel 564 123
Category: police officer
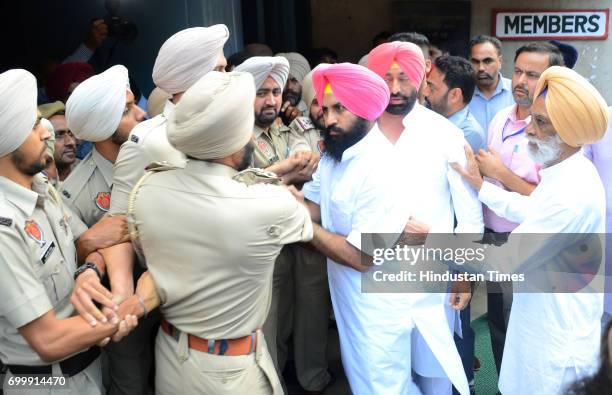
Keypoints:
pixel 102 110
pixel 215 282
pixel 38 333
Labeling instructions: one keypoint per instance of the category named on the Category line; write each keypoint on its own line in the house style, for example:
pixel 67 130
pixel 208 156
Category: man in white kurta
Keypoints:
pixel 350 191
pixel 553 338
pixel 425 187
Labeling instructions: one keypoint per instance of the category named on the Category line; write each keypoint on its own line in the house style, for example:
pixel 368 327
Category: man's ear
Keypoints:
pixel 455 96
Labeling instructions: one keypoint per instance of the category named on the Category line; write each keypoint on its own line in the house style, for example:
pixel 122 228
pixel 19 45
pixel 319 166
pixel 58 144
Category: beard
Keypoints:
pixel 31 169
pixel 292 97
pixel 546 151
pixel 247 158
pixel 335 147
pixel 522 101
pixel 404 108
pixel 319 122
pixel 440 107
pixel 265 120
pixel 119 138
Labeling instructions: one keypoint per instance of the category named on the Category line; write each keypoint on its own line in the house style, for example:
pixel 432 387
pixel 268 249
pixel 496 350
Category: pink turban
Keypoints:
pixel 362 92
pixel 408 56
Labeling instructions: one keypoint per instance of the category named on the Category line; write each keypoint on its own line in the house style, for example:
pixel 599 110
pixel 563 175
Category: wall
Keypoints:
pixel 348 26
pixel 592 61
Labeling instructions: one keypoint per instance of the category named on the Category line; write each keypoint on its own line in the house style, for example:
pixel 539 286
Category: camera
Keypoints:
pixel 119 28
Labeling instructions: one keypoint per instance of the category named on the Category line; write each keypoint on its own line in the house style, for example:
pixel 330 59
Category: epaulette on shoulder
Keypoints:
pixel 161 166
pixel 302 124
pixel 77 179
pixel 256 176
pixel 7 217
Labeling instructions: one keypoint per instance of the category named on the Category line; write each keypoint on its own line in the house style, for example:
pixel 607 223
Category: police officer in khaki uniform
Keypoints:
pixel 38 333
pixel 273 153
pixel 215 281
pixel 311 301
pixel 102 110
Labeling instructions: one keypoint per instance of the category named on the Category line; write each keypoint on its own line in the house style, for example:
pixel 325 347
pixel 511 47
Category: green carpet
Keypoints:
pixel 486 378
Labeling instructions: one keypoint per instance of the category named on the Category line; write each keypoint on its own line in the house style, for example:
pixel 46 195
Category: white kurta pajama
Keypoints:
pixel 375 329
pixel 553 338
pixel 428 189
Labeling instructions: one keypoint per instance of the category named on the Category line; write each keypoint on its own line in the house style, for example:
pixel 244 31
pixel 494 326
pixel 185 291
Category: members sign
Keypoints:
pixel 551 24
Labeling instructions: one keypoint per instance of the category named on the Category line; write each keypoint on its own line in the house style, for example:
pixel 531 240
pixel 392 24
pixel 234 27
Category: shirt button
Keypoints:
pixel 56 269
pixel 274 231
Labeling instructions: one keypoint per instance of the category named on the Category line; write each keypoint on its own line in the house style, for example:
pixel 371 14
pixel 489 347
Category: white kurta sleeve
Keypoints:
pixel 509 205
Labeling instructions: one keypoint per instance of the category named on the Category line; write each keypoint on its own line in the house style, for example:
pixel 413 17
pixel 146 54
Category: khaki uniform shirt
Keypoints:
pixel 87 189
pixel 147 143
pixel 213 263
pixel 37 262
pixel 303 129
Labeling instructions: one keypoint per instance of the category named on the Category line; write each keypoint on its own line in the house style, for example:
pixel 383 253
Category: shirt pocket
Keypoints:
pixel 55 276
pixel 341 208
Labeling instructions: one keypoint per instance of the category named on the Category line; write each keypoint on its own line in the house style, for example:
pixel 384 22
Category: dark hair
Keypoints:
pixel 458 73
pixel 555 58
pixel 483 38
pixel 601 381
pixel 236 60
pixel 382 36
pixel 415 38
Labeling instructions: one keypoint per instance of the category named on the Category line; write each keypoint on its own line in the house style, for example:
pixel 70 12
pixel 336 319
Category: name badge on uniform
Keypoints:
pixel 103 201
pixel 45 256
pixel 35 232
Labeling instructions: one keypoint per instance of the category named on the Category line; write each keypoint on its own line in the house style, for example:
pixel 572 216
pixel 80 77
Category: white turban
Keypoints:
pixel 363 61
pixel 157 102
pixel 186 56
pixel 212 120
pixel 298 65
pixel 261 67
pixel 95 108
pixel 308 91
pixel 18 112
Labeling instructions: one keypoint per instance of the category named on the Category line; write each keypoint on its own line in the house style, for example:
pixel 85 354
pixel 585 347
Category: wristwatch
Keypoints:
pixel 85 266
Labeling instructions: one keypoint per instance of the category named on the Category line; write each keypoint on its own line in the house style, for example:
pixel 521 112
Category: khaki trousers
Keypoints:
pixel 184 371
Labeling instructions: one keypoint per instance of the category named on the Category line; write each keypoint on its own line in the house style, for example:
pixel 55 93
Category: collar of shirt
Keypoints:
pixel 502 85
pixel 370 140
pixel 460 116
pixel 168 108
pixel 210 168
pixel 25 199
pixel 560 169
pixel 105 166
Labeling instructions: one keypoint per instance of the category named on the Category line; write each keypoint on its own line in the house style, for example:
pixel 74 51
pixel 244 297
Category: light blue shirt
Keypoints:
pixel 484 109
pixel 472 131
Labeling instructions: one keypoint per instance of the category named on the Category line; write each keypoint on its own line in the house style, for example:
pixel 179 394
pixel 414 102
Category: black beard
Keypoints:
pixel 33 169
pixel 265 120
pixel 318 124
pixel 247 159
pixel 402 109
pixel 292 97
pixel 335 148
pixel 118 138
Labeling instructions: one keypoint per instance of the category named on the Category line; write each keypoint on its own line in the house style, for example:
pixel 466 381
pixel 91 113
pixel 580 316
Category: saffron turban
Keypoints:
pixel 157 102
pixel 65 75
pixel 298 65
pixel 95 108
pixel 261 67
pixel 360 90
pixel 308 92
pixel 576 109
pixel 408 56
pixel 186 56
pixel 212 120
pixel 18 112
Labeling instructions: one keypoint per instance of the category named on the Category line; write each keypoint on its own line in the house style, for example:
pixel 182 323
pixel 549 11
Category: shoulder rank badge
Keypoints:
pixel 35 232
pixel 256 176
pixel 103 201
pixel 305 123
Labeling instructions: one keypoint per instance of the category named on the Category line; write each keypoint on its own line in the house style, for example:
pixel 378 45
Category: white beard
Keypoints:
pixel 548 149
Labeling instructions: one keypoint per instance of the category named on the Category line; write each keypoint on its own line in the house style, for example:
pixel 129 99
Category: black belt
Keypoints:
pixel 70 367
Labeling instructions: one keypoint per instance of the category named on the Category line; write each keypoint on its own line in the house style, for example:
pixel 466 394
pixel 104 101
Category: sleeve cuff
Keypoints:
pixel 487 192
pixel 310 194
pixel 29 309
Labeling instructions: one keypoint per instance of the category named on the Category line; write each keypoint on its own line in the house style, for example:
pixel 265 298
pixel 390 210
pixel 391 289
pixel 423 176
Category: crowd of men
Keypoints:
pixel 197 241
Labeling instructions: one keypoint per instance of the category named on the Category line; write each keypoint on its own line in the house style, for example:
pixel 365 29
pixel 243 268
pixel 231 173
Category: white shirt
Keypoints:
pixel 552 338
pixel 355 197
pixel 428 188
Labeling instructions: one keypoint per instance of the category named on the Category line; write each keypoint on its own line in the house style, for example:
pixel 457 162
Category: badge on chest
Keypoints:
pixel 35 232
pixel 103 201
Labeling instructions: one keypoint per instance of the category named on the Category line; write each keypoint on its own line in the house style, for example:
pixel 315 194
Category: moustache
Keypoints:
pixel 484 75
pixel 399 96
pixel 521 88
